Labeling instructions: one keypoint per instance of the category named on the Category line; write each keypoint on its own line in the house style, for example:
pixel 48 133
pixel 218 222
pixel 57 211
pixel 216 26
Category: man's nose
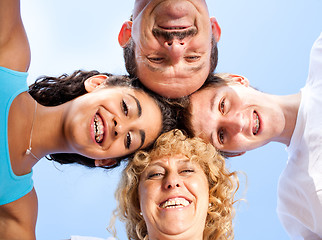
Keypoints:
pixel 175 48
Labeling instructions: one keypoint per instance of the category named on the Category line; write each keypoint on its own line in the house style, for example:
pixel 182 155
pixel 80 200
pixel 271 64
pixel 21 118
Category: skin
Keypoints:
pixel 68 126
pixel 169 178
pixel 172 67
pixel 226 116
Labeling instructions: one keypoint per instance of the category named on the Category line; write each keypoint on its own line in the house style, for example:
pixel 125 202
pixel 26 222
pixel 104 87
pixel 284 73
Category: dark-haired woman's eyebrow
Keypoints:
pixel 142 134
pixel 138 105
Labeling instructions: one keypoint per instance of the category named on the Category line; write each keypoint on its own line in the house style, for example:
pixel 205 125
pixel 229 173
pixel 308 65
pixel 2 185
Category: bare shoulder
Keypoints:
pixel 14 45
pixel 18 218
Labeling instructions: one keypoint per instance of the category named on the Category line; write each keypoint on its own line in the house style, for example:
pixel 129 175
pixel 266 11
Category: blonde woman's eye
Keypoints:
pixel 154 175
pixel 221 136
pixel 125 108
pixel 187 171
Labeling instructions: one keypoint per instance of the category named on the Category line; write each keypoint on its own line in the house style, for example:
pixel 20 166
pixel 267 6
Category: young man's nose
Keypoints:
pixel 235 122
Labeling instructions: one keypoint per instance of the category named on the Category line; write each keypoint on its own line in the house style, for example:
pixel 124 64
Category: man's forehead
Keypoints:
pixel 139 5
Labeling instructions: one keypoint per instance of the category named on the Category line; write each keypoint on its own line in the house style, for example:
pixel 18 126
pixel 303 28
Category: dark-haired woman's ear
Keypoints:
pixel 105 162
pixel 95 81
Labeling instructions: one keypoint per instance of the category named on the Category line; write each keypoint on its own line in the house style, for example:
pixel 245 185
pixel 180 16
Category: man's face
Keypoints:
pixel 173 40
pixel 236 117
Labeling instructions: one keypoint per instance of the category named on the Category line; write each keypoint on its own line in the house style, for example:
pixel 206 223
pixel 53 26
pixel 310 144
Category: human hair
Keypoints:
pixel 184 119
pixel 131 64
pixel 53 91
pixel 222 185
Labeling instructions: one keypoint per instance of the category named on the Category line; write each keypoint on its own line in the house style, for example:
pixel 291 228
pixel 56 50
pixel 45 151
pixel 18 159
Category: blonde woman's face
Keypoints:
pixel 174 198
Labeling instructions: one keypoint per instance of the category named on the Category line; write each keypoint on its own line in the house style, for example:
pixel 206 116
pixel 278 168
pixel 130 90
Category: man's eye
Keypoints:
pixel 128 140
pixel 222 106
pixel 156 59
pixel 192 58
pixel 221 136
pixel 125 108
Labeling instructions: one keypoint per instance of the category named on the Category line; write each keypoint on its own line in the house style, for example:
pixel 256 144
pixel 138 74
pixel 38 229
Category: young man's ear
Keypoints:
pixel 240 79
pixel 125 34
pixel 105 162
pixel 94 82
pixel 216 30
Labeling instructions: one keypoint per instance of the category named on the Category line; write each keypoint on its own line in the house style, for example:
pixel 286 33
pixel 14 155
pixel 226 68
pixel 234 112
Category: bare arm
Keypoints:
pixel 18 218
pixel 14 45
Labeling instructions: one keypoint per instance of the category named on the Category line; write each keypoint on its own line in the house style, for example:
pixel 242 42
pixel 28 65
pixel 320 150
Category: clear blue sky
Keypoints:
pixel 268 41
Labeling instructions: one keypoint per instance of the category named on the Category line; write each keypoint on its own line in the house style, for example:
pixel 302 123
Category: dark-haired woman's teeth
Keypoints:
pixel 98 128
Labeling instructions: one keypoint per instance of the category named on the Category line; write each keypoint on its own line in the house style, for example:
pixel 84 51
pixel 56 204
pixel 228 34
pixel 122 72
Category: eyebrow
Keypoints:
pixel 142 134
pixel 138 105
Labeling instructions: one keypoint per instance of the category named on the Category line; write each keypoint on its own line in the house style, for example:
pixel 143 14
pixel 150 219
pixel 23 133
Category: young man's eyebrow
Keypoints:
pixel 138 105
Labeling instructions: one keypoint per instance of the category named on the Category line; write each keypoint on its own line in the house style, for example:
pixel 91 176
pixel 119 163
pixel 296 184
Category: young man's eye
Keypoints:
pixel 222 106
pixel 125 108
pixel 221 136
pixel 128 140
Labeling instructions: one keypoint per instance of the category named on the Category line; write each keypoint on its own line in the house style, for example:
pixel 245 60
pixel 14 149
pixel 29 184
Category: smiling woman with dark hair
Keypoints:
pixel 88 118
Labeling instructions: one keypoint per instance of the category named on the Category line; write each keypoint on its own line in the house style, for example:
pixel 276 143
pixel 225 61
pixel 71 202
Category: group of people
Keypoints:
pixel 176 184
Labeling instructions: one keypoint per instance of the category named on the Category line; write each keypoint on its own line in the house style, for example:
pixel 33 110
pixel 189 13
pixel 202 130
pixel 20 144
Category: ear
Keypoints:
pixel 95 81
pixel 216 30
pixel 233 154
pixel 105 162
pixel 240 79
pixel 125 33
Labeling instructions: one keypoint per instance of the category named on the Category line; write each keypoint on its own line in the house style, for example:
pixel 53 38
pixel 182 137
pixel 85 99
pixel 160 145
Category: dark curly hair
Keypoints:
pixel 53 91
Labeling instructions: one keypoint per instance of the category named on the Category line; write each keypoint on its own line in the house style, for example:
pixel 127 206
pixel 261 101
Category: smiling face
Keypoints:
pixel 111 122
pixel 174 197
pixel 236 117
pixel 173 41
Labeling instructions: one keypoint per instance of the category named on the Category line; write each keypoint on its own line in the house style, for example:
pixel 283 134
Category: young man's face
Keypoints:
pixel 236 117
pixel 173 41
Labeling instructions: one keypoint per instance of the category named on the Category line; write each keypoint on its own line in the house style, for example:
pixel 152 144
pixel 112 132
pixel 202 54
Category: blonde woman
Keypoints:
pixel 181 189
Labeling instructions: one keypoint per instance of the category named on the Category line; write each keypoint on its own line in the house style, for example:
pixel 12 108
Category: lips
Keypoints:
pixel 98 128
pixel 256 123
pixel 175 203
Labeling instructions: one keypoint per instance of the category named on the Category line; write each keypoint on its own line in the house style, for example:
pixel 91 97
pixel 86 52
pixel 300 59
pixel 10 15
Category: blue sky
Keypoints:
pixel 268 41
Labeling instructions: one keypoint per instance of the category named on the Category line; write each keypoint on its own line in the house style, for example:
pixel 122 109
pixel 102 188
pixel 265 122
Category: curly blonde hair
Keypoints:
pixel 222 185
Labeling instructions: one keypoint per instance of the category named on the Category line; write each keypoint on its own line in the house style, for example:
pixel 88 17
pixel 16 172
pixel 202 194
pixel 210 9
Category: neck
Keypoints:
pixel 289 105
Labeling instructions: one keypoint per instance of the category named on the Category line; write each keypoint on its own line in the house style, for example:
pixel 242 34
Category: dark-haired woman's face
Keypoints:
pixel 111 122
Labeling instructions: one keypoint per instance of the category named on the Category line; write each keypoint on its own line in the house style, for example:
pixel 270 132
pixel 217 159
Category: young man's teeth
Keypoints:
pixel 256 123
pixel 175 203
pixel 98 129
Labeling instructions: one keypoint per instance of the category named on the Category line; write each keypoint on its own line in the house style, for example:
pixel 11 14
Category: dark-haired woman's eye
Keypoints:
pixel 125 108
pixel 128 140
